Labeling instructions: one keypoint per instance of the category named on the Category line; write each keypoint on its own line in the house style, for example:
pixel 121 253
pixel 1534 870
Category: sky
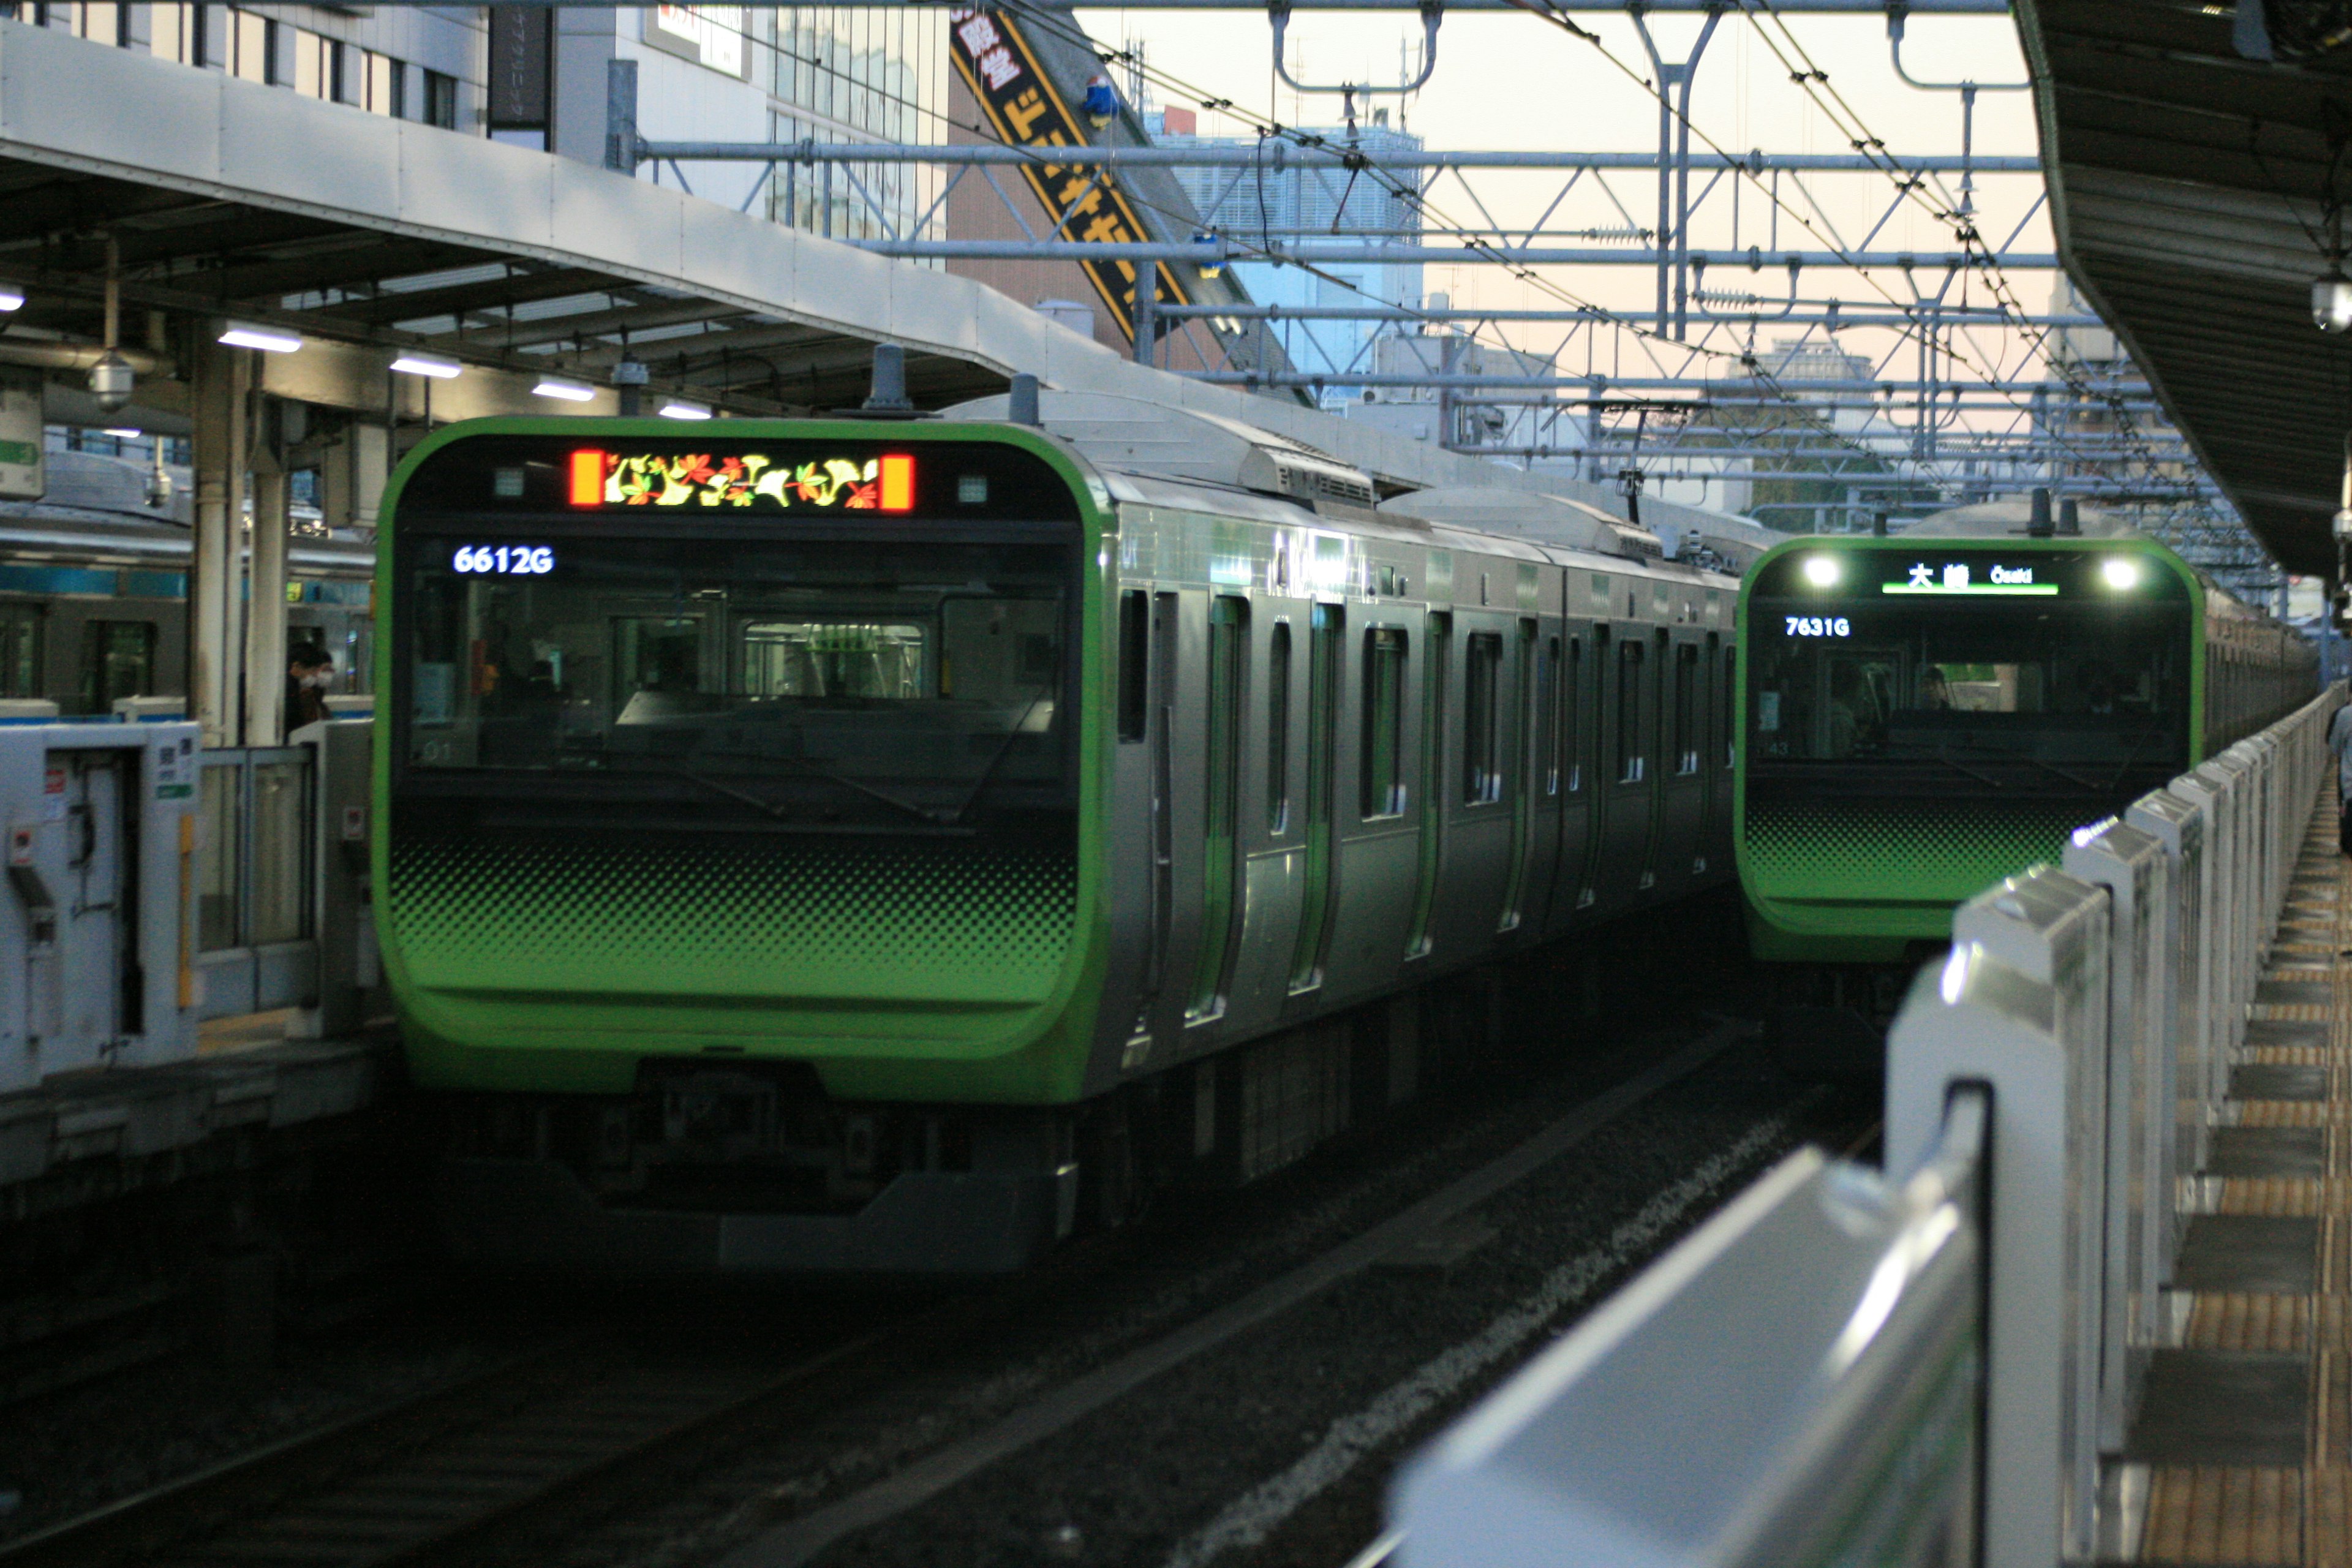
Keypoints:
pixel 1512 81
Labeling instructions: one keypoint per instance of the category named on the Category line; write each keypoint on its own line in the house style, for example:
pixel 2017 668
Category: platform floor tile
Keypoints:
pixel 2245 1424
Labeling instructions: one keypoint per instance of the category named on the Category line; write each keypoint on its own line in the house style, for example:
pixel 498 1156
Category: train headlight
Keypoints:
pixel 1822 571
pixel 2117 571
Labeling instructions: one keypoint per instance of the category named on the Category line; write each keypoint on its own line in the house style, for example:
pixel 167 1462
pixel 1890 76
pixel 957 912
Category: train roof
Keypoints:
pixel 2007 520
pixel 83 536
pixel 1144 448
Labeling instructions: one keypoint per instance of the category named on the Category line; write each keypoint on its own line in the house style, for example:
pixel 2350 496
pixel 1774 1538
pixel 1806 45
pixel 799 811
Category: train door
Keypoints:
pixel 1573 875
pixel 1684 775
pixel 1436 704
pixel 1269 827
pixel 1627 787
pixel 1723 756
pixel 1220 807
pixel 1521 786
pixel 1325 636
pixel 1378 846
pixel 1480 840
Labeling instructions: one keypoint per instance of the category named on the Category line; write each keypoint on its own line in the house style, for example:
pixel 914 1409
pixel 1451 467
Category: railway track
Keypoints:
pixel 771 1433
pixel 463 1473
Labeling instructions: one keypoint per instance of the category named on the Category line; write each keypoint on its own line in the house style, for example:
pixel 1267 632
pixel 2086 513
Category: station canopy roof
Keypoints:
pixel 2187 187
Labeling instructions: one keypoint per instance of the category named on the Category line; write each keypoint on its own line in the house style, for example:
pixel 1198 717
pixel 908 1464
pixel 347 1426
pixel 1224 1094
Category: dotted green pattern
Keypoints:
pixel 774 922
pixel 1844 863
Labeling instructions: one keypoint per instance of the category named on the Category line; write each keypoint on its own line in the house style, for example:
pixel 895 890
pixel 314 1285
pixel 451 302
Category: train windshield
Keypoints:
pixel 1952 692
pixel 843 680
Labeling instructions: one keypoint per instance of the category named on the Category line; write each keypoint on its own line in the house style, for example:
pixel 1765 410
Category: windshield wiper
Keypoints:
pixel 997 756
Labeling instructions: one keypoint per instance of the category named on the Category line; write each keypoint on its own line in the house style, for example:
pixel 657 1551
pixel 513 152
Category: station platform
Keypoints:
pixel 2242 1444
pixel 84 1137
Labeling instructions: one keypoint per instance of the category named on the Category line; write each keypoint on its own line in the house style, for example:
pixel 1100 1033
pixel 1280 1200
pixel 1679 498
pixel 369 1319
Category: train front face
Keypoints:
pixel 753 743
pixel 1923 717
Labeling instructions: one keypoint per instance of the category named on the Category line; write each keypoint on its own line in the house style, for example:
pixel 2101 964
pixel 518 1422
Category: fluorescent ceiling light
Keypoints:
pixel 10 300
pixel 125 434
pixel 270 339
pixel 674 409
pixel 570 391
pixel 428 364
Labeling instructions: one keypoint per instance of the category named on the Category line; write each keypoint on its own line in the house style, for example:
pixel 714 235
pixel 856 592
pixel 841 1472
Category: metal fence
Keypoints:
pixel 1926 1367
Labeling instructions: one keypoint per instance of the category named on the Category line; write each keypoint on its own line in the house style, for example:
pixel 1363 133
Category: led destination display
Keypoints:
pixel 746 478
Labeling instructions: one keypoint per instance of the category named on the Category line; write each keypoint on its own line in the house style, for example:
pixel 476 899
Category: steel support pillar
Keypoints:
pixel 264 623
pixel 223 382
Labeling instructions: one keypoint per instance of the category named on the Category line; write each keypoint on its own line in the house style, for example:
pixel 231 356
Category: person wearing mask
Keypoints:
pixel 310 671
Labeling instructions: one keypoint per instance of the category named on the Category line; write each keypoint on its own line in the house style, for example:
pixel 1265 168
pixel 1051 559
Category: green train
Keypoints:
pixel 856 844
pixel 1927 712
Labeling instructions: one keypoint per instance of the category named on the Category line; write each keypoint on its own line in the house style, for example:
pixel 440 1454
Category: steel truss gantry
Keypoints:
pixel 1780 346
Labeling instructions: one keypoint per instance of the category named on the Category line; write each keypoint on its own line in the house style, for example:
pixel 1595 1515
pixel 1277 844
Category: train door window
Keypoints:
pixel 1323 655
pixel 1436 672
pixel 1228 637
pixel 830 658
pixel 1522 759
pixel 1632 766
pixel 1381 774
pixel 656 668
pixel 1548 768
pixel 1574 704
pixel 1482 738
pixel 1134 663
pixel 20 650
pixel 1686 731
pixel 1277 729
pixel 1730 706
pixel 118 659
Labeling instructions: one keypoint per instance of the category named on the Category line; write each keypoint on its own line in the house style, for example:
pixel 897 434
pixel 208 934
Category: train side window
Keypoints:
pixel 1381 774
pixel 1686 743
pixel 20 650
pixel 1630 764
pixel 1277 729
pixel 118 659
pixel 1482 736
pixel 1134 663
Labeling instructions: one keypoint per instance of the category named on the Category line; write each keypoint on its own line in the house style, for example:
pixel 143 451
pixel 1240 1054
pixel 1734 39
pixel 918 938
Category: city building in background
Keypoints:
pixel 1276 205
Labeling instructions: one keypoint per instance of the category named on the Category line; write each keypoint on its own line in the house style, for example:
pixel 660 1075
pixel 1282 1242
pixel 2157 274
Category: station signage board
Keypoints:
pixel 1025 110
pixel 709 36
pixel 24 476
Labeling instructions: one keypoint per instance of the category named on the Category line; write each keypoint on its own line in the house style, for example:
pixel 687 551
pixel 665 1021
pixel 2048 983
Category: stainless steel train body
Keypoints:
pixel 1323 747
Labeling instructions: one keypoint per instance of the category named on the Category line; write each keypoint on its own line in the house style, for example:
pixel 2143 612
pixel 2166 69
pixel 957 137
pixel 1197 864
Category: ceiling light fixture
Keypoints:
pixel 429 364
pixel 269 340
pixel 677 409
pixel 568 391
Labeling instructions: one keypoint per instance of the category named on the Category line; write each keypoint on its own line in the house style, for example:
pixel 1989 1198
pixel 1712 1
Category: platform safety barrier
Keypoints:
pixel 1926 1367
pixel 281 874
